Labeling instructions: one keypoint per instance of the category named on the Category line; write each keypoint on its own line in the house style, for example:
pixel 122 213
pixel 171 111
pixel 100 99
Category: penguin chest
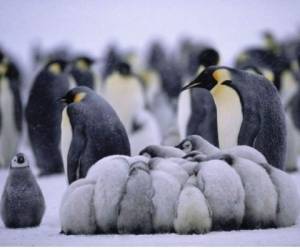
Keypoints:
pixel 9 134
pixel 229 115
pixel 66 137
pixel 184 112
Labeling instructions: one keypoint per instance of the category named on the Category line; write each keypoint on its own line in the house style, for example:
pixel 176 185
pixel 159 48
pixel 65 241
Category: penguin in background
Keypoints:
pixel 124 92
pixel 22 201
pixel 249 111
pixel 96 131
pixel 11 114
pixel 44 115
pixel 196 109
pixel 111 59
pixel 81 71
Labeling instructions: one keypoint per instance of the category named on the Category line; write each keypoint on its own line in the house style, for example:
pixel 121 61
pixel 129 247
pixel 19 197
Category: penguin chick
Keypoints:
pixel 97 131
pixel 260 193
pixel 224 192
pixel 169 167
pixel 111 174
pixel 288 197
pixel 193 212
pixel 161 151
pixel 77 211
pixel 136 206
pixel 22 201
pixel 166 194
pixel 197 143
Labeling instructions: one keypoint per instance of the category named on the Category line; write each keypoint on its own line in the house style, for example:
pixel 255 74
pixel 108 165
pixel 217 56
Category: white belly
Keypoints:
pixel 66 137
pixel 229 115
pixel 9 135
pixel 184 112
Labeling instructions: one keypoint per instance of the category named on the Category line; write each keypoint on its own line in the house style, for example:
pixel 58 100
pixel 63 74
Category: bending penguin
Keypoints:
pixel 249 111
pixel 96 131
pixel 22 201
pixel 11 110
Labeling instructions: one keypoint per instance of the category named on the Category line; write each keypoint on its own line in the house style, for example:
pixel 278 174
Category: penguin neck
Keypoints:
pixel 229 114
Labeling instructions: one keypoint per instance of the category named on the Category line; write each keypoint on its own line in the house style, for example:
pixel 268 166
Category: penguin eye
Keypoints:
pixel 187 146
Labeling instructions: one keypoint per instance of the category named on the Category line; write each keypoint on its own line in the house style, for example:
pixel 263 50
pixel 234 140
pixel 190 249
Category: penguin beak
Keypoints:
pixel 192 84
pixel 62 100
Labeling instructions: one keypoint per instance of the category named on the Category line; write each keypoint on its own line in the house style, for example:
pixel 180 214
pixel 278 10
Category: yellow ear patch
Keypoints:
pixel 3 69
pixel 79 97
pixel 81 65
pixel 268 74
pixel 54 68
pixel 242 58
pixel 221 75
pixel 295 66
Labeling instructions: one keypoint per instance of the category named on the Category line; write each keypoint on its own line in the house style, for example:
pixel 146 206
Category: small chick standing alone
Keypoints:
pixel 22 202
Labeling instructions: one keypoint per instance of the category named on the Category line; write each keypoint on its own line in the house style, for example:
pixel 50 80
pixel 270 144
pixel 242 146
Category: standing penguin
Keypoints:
pixel 96 131
pixel 11 113
pixel 249 111
pixel 22 201
pixel 82 72
pixel 124 92
pixel 43 114
pixel 196 108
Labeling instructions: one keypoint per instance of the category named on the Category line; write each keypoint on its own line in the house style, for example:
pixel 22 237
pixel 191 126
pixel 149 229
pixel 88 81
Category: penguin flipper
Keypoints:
pixel 76 149
pixel 249 130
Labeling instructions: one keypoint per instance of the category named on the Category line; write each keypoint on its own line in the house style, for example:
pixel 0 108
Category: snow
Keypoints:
pixel 48 233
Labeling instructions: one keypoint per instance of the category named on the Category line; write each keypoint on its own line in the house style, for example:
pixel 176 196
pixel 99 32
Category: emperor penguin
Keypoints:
pixel 136 206
pixel 224 192
pixel 81 71
pixel 196 143
pixel 22 201
pixel 196 108
pixel 249 111
pixel 44 114
pixel 11 109
pixel 260 193
pixel 124 92
pixel 96 131
pixel 194 214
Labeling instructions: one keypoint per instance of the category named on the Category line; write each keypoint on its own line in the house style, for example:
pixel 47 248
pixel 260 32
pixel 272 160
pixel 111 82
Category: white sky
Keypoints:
pixel 90 25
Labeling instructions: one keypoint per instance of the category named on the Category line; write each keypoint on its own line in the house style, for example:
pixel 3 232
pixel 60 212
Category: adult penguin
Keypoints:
pixel 43 115
pixel 82 73
pixel 249 111
pixel 196 108
pixel 96 131
pixel 124 92
pixel 11 112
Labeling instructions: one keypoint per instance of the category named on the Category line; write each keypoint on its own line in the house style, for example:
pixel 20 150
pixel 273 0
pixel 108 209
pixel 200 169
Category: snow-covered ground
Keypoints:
pixel 48 233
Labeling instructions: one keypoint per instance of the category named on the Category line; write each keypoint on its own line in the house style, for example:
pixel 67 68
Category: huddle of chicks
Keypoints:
pixel 192 188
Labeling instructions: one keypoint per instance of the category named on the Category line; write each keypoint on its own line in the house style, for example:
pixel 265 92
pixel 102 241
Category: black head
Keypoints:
pixel 208 57
pixel 19 161
pixel 209 78
pixel 83 62
pixel 123 68
pixel 56 66
pixel 75 95
pixel 187 145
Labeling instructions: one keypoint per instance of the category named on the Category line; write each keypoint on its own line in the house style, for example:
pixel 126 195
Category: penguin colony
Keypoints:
pixel 167 190
pixel 237 129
